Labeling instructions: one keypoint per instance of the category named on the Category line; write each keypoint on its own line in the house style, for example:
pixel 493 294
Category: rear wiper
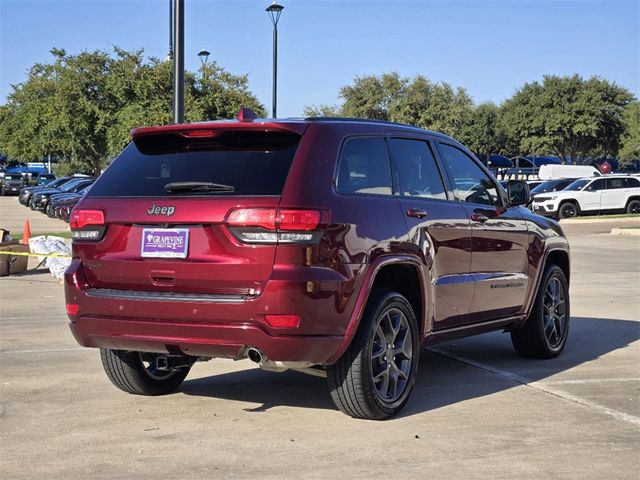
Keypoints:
pixel 197 187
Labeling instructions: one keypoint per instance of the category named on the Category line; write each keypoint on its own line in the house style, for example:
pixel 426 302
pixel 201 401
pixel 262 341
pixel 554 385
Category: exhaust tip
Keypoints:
pixel 254 355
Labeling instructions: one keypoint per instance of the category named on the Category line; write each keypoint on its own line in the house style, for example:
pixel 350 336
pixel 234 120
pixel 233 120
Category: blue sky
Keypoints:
pixel 490 48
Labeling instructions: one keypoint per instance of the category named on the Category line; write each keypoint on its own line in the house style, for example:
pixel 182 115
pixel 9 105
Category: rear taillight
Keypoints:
pixel 272 225
pixel 87 224
pixel 283 321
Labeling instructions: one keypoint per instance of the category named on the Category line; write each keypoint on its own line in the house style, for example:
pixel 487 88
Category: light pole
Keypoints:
pixel 274 10
pixel 178 61
pixel 204 57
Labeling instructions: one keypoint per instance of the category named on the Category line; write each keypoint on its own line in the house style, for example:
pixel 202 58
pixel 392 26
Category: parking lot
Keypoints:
pixel 478 410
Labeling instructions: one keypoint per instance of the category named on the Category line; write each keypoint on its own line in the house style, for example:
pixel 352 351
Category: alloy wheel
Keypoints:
pixel 391 355
pixel 555 312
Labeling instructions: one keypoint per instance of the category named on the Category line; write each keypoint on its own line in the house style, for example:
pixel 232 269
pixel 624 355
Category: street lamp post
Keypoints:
pixel 274 10
pixel 204 57
pixel 178 61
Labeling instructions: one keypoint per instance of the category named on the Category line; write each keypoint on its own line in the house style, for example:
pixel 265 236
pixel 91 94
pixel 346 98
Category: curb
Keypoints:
pixel 600 219
pixel 626 231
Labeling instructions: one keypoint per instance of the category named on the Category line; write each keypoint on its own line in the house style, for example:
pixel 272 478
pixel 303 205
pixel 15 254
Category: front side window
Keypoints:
pixel 470 183
pixel 596 185
pixel 577 185
pixel 364 167
pixel 416 169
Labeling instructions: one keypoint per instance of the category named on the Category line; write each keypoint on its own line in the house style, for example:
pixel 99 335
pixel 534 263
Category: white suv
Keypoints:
pixel 614 193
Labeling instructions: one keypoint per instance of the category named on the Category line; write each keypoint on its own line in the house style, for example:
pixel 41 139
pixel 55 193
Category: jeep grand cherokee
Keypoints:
pixel 337 247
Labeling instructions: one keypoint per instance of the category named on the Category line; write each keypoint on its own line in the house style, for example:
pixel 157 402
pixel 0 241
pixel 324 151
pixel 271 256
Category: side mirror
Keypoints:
pixel 519 193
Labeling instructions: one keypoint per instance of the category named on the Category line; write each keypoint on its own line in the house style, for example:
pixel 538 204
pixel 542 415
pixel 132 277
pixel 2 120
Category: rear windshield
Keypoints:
pixel 13 176
pixel 251 163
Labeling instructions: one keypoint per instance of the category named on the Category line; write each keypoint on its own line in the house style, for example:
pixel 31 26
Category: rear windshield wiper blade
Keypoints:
pixel 197 187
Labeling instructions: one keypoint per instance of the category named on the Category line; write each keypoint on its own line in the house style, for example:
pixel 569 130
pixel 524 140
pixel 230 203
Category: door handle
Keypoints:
pixel 416 213
pixel 479 217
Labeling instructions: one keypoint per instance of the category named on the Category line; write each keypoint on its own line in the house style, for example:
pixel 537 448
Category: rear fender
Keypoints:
pixel 365 294
pixel 528 305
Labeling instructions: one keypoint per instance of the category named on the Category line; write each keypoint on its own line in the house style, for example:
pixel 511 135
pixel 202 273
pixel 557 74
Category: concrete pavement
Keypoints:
pixel 13 215
pixel 478 410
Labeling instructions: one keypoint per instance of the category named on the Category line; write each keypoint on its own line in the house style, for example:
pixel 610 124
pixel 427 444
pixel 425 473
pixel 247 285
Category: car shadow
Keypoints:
pixel 442 379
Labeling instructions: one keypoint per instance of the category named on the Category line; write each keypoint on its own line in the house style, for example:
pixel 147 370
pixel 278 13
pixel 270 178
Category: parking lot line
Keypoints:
pixel 71 349
pixel 540 386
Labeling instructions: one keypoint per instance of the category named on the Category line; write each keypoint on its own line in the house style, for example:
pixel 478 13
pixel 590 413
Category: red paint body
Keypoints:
pixel 457 261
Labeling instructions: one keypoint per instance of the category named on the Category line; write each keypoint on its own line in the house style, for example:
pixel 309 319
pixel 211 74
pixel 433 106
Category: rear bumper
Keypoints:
pixel 205 327
pixel 204 340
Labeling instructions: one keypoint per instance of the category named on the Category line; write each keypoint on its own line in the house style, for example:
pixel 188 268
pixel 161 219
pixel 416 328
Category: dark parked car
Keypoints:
pixel 64 207
pixel 553 185
pixel 26 192
pixel 44 179
pixel 332 246
pixel 60 199
pixel 11 183
pixel 40 198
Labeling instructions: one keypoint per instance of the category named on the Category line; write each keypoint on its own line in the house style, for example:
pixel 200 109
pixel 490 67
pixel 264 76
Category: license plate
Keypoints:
pixel 165 242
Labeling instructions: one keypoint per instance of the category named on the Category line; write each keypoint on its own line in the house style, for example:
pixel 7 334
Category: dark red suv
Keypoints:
pixel 338 247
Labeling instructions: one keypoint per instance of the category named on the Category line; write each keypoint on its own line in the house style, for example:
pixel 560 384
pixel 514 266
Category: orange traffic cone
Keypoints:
pixel 27 233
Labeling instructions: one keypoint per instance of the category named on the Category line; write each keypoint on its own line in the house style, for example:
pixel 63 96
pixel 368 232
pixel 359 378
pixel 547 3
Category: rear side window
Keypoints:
pixel 416 169
pixel 616 183
pixel 364 167
pixel 255 164
pixel 631 183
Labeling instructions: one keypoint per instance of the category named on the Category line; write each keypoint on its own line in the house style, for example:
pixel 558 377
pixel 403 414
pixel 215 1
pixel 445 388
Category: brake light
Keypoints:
pixel 82 218
pixel 87 224
pixel 271 225
pixel 199 133
pixel 283 321
pixel 72 309
pixel 297 220
pixel 253 217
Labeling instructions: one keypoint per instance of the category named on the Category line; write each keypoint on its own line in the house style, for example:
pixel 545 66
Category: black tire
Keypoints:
pixel 568 210
pixel 633 207
pixel 351 379
pixel 2 191
pixel 127 371
pixel 536 338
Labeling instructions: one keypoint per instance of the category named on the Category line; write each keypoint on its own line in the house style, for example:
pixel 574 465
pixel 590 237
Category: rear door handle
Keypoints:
pixel 416 213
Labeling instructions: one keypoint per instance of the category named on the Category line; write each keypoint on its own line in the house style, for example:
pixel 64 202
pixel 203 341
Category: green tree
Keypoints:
pixel 82 107
pixel 372 97
pixel 417 101
pixel 322 111
pixel 567 116
pixel 434 106
pixel 483 133
pixel 631 138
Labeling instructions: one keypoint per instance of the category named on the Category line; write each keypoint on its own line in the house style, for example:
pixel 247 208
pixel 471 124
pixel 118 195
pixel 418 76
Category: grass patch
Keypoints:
pixel 607 217
pixel 18 236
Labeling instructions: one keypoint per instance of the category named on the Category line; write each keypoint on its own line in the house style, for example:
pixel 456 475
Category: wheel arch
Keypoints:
pixel 556 256
pixel 575 201
pixel 386 272
pixel 631 199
